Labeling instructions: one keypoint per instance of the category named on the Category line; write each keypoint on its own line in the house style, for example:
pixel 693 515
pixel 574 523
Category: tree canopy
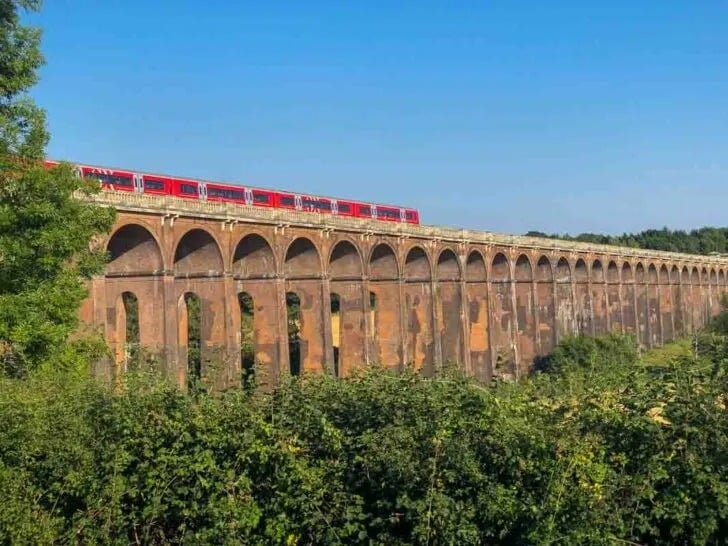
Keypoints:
pixel 44 230
pixel 706 240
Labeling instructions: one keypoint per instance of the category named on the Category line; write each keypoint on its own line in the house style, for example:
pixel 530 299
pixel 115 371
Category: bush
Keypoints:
pixel 600 449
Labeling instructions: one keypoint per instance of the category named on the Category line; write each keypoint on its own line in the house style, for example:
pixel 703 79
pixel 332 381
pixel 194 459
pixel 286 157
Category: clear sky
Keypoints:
pixel 497 115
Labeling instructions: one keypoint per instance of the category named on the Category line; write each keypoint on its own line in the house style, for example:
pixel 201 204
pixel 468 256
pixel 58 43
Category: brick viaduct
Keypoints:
pixel 414 295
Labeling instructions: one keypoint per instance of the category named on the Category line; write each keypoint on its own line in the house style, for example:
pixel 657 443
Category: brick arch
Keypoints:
pixel 417 265
pixel 713 276
pixel 544 271
pixel 345 261
pixel 721 277
pixel 198 254
pixel 596 271
pixel 448 266
pixel 652 274
pixel 475 270
pixel 254 258
pixel 581 271
pixel 383 264
pixel 523 270
pixel 663 275
pixel 685 275
pixel 627 273
pixel 302 260
pixel 133 249
pixel 695 276
pixel 500 267
pixel 639 273
pixel 612 272
pixel 674 275
pixel 563 270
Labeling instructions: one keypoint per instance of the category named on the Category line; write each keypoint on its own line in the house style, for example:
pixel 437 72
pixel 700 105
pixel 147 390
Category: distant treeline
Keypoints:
pixel 706 240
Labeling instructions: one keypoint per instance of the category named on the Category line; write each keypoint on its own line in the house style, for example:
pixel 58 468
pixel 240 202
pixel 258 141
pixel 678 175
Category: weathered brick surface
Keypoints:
pixel 408 294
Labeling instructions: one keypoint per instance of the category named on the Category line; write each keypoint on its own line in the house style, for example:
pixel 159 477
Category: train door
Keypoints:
pixel 374 212
pixel 334 207
pixel 138 185
pixel 248 197
pixel 203 191
pixel 402 217
pixel 299 202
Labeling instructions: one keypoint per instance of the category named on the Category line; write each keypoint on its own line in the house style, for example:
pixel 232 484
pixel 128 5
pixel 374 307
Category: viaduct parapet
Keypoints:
pixel 405 295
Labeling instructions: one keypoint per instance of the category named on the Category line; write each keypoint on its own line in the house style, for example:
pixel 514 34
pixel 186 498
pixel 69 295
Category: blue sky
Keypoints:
pixel 503 116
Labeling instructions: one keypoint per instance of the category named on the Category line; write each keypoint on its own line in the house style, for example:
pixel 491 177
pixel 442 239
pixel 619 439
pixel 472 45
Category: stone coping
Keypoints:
pixel 232 213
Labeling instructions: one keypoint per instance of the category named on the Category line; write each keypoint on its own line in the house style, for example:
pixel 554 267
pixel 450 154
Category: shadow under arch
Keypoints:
pixel 345 261
pixel 133 251
pixel 302 260
pixel 254 258
pixel 198 255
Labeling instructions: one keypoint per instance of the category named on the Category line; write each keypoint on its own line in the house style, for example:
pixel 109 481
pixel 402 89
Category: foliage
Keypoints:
pixel 706 240
pixel 601 448
pixel 44 230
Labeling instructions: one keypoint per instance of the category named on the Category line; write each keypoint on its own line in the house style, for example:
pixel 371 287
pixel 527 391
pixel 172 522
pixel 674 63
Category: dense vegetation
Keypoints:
pixel 600 448
pixel 44 231
pixel 707 240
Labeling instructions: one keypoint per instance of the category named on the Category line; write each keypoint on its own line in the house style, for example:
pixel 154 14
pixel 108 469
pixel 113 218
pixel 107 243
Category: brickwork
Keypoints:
pixel 408 295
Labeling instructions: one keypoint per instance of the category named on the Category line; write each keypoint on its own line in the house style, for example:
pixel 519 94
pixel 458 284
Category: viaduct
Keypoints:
pixel 405 295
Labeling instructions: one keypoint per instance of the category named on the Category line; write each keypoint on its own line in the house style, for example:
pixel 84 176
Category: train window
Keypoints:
pixel 225 194
pixel 366 211
pixel 409 215
pixel 260 197
pixel 113 179
pixel 344 208
pixel 288 201
pixel 388 213
pixel 153 184
pixel 188 188
pixel 316 204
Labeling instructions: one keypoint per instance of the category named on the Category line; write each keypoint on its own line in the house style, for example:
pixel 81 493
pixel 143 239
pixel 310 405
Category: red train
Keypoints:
pixel 156 184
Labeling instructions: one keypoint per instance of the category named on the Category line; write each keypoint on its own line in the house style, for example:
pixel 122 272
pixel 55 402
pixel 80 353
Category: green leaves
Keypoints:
pixel 578 455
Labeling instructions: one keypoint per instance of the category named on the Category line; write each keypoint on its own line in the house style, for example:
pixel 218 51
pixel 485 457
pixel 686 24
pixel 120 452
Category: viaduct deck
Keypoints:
pixel 417 295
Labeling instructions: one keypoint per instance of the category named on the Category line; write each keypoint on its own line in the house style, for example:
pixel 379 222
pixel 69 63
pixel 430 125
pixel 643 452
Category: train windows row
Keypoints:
pixel 190 189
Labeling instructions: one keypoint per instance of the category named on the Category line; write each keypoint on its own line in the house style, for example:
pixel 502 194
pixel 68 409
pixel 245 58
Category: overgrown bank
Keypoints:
pixel 600 448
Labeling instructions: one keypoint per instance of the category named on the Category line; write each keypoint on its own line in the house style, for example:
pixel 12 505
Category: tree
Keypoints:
pixel 44 230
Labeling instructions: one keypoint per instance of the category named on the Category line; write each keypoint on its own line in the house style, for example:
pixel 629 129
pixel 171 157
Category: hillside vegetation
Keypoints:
pixel 706 240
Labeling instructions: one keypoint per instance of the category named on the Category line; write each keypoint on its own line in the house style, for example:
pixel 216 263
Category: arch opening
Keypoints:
pixel 544 273
pixel 293 316
pixel 302 260
pixel 336 329
pixel 383 263
pixel 563 271
pixel 612 273
pixel 448 268
pixel 500 267
pixel 247 337
pixel 475 267
pixel 523 269
pixel 133 250
pixel 192 326
pixel 597 271
pixel 417 265
pixel 198 255
pixel 581 275
pixel 253 258
pixel 345 261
